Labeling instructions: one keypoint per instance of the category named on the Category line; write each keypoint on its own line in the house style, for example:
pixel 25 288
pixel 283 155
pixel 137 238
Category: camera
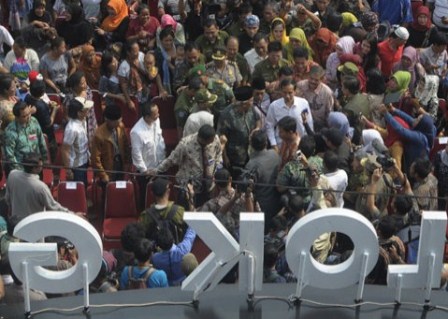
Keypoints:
pixel 285 198
pixel 385 161
pixel 68 245
pixel 246 178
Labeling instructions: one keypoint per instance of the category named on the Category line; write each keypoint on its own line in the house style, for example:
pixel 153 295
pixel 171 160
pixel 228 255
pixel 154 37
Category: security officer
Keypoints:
pixel 222 69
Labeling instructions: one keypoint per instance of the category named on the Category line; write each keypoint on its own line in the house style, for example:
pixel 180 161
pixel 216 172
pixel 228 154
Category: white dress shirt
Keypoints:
pixel 253 58
pixel 148 145
pixel 75 135
pixel 278 110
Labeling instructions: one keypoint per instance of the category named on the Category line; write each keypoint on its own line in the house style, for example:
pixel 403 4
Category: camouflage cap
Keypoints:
pixel 203 96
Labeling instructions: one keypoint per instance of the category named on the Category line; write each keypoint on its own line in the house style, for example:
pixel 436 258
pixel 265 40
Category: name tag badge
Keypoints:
pixel 32 137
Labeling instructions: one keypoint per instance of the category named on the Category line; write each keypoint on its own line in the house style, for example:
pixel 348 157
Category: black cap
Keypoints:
pixel 243 93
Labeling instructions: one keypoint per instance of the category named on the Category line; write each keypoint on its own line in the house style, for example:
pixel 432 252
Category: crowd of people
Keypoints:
pixel 281 107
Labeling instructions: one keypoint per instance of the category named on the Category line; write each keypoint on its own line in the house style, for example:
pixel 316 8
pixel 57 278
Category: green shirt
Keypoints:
pixel 237 126
pixel 182 108
pixel 267 71
pixel 21 140
pixel 207 47
pixel 224 93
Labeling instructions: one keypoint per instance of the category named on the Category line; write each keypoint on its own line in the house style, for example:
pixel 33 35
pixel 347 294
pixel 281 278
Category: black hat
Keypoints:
pixel 112 112
pixel 159 186
pixel 243 93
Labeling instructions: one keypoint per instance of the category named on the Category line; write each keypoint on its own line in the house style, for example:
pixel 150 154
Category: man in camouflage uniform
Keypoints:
pixel 269 68
pixel 294 174
pixel 237 122
pixel 234 56
pixel 193 57
pixel 23 136
pixel 222 69
pixel 211 39
pixel 185 103
pixel 216 87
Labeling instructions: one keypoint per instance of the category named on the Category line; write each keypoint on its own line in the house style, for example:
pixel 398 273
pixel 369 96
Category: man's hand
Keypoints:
pixel 377 173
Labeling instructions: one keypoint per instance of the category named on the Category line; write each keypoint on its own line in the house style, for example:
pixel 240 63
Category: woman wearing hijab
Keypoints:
pixel 168 21
pixel 418 139
pixel 75 29
pixel 278 32
pixel 421 29
pixel 297 39
pixel 115 25
pixel 344 45
pixel 38 16
pixel 340 121
pixel 90 64
pixel 399 82
pixel 409 62
pixel 369 136
pixel 323 44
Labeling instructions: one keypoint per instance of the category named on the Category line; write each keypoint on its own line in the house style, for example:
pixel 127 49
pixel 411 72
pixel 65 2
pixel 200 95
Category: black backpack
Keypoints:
pixel 160 223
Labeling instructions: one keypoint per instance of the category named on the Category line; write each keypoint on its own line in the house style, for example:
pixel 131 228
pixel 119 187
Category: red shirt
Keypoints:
pixel 135 27
pixel 388 57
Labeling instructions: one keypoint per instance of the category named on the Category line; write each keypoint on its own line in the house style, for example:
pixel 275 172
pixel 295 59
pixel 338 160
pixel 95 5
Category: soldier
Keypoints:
pixel 193 57
pixel 237 122
pixel 234 56
pixel 268 69
pixel 222 69
pixel 201 112
pixel 211 39
pixel 185 102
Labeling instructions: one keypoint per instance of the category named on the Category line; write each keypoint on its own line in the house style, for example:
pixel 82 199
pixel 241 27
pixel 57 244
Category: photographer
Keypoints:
pixel 373 202
pixel 230 202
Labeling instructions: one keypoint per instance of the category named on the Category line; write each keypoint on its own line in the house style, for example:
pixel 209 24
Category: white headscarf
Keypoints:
pixel 368 137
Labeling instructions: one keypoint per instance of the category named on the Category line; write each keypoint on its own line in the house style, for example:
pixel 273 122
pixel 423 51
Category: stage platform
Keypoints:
pixel 226 302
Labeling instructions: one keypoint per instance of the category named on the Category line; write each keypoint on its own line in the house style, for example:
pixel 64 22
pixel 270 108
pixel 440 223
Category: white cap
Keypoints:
pixel 402 33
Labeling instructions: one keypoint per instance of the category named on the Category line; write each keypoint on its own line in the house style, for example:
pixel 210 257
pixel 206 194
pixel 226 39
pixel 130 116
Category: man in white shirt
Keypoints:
pixel 148 145
pixel 75 148
pixel 259 51
pixel 289 105
pixel 337 178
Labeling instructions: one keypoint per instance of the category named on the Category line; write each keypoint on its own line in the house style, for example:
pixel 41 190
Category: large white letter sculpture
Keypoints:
pixel 355 269
pixel 426 273
pixel 226 252
pixel 27 258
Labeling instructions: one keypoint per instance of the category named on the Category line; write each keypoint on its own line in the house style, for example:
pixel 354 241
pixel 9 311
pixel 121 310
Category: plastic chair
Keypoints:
pixel 120 209
pixel 72 195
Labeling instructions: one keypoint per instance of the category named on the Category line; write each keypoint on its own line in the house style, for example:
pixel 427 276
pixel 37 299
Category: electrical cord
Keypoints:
pixel 148 304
